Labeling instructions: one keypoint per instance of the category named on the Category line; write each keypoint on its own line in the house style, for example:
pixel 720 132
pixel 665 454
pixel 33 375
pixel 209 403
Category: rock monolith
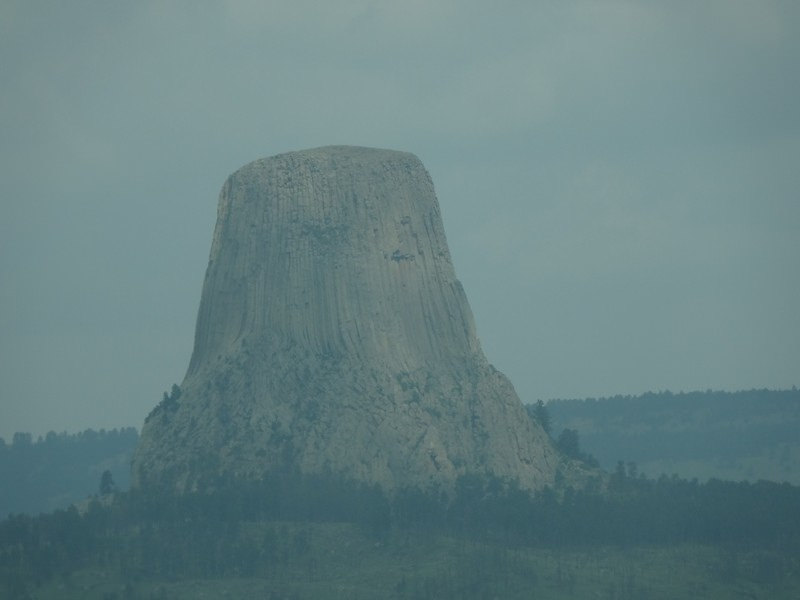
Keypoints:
pixel 333 337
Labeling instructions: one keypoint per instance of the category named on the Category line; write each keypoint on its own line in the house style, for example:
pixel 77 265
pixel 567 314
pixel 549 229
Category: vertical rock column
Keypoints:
pixel 333 336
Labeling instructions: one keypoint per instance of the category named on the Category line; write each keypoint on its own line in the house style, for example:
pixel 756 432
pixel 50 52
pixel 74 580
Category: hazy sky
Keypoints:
pixel 618 180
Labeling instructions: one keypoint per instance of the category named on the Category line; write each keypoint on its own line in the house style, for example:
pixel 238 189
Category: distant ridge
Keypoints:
pixel 746 435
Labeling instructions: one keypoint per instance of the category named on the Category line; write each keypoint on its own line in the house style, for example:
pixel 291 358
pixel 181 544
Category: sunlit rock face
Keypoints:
pixel 333 337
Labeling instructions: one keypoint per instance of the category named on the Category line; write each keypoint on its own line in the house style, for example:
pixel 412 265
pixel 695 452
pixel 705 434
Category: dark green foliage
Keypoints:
pixel 169 403
pixel 107 485
pixel 541 415
pixel 21 441
pixel 255 529
pixel 569 445
pixel 61 468
pixel 567 442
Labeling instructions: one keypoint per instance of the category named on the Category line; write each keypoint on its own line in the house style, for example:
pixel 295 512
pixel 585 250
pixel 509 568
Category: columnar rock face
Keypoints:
pixel 333 337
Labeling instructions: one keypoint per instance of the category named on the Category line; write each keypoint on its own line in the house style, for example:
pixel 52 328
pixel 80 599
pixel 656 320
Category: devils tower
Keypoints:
pixel 333 337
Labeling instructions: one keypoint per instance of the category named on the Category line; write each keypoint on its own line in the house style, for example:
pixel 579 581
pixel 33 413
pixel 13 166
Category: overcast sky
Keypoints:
pixel 618 180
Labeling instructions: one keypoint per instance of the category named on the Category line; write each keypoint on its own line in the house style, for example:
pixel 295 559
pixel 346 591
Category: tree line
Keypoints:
pixel 235 530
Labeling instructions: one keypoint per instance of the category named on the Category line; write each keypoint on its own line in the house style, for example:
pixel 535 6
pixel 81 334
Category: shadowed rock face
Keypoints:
pixel 333 336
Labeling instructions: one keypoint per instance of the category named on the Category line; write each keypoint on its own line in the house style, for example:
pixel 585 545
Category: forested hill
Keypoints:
pixel 747 435
pixel 58 469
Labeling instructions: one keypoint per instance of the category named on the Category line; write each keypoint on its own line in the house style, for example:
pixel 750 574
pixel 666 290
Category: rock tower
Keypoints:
pixel 333 337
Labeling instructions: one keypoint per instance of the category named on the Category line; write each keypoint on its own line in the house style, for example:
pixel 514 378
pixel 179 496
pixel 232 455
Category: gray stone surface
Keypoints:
pixel 333 336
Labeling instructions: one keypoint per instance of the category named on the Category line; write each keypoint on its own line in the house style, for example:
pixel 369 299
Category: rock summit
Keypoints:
pixel 333 337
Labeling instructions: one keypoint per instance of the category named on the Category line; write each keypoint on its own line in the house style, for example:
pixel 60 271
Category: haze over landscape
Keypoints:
pixel 618 181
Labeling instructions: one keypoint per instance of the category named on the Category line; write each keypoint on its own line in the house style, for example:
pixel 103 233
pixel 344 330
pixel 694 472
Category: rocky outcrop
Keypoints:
pixel 333 337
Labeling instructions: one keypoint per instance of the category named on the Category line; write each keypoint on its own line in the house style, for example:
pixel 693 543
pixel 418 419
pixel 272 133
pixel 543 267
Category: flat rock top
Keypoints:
pixel 362 155
pixel 362 152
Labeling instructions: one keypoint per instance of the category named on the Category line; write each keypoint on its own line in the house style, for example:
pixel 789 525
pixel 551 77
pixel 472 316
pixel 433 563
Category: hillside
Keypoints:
pixel 338 562
pixel 312 537
pixel 747 435
pixel 60 468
